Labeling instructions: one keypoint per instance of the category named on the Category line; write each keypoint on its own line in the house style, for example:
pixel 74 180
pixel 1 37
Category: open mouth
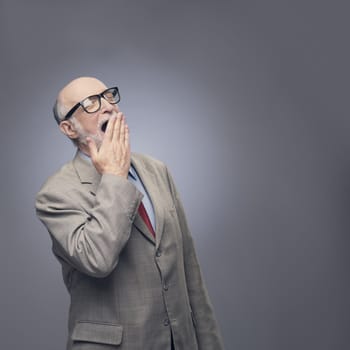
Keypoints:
pixel 104 126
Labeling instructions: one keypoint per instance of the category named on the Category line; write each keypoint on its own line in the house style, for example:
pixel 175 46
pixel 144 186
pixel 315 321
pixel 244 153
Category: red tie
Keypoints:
pixel 144 215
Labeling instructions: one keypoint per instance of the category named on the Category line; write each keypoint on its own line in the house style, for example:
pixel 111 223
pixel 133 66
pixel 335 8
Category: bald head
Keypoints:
pixel 81 123
pixel 74 92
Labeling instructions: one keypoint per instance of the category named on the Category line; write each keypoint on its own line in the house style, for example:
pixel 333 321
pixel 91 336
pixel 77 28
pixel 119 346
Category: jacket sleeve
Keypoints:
pixel 207 330
pixel 90 239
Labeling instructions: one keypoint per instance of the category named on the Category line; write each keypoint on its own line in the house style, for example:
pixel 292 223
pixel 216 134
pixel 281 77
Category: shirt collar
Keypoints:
pixel 132 172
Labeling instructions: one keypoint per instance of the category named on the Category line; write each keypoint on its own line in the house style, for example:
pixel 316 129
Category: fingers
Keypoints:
pixel 113 155
pixel 122 144
pixel 110 128
pixel 117 124
pixel 124 136
pixel 92 148
pixel 122 131
pixel 126 139
pixel 113 129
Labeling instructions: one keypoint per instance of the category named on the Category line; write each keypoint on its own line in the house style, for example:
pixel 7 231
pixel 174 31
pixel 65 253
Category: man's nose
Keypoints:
pixel 106 106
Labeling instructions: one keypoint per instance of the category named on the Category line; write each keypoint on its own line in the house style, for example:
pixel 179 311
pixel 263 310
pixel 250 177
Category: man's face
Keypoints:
pixel 87 124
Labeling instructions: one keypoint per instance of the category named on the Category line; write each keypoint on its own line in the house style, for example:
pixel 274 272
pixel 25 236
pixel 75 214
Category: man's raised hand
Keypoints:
pixel 113 156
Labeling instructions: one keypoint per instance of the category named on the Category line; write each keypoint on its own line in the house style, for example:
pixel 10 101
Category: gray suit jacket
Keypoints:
pixel 128 290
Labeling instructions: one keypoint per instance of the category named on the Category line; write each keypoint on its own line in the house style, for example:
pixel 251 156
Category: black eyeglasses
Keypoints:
pixel 92 103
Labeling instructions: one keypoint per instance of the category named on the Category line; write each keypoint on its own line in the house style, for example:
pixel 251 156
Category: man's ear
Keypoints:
pixel 68 129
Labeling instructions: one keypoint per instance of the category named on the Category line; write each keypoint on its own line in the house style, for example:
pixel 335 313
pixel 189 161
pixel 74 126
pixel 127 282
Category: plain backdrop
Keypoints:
pixel 247 102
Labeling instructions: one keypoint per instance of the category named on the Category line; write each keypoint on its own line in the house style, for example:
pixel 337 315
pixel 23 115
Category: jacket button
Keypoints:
pixel 166 322
pixel 165 287
pixel 158 253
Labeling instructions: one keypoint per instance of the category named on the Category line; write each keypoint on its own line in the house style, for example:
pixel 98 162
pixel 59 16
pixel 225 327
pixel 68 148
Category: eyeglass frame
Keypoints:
pixel 76 106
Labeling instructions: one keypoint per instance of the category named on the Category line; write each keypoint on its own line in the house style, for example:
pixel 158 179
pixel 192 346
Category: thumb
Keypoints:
pixel 92 147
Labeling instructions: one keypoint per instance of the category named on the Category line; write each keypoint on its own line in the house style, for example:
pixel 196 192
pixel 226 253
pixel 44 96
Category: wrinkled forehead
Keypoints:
pixel 78 89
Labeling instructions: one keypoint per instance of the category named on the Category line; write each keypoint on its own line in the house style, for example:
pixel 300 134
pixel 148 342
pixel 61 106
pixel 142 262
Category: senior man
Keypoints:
pixel 119 231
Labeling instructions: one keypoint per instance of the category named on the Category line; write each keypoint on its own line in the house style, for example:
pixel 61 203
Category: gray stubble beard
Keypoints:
pixel 82 135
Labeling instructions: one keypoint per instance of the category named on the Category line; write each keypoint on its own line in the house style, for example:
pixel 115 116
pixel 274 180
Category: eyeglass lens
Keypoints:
pixel 93 103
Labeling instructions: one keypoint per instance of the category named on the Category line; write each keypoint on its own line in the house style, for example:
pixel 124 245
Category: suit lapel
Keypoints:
pixel 89 176
pixel 87 173
pixel 142 227
pixel 149 181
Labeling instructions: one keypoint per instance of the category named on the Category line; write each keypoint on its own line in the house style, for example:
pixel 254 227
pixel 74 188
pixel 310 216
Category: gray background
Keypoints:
pixel 245 101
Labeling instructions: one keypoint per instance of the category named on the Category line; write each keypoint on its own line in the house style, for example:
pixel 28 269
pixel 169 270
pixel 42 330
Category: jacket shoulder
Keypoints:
pixel 64 178
pixel 148 160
